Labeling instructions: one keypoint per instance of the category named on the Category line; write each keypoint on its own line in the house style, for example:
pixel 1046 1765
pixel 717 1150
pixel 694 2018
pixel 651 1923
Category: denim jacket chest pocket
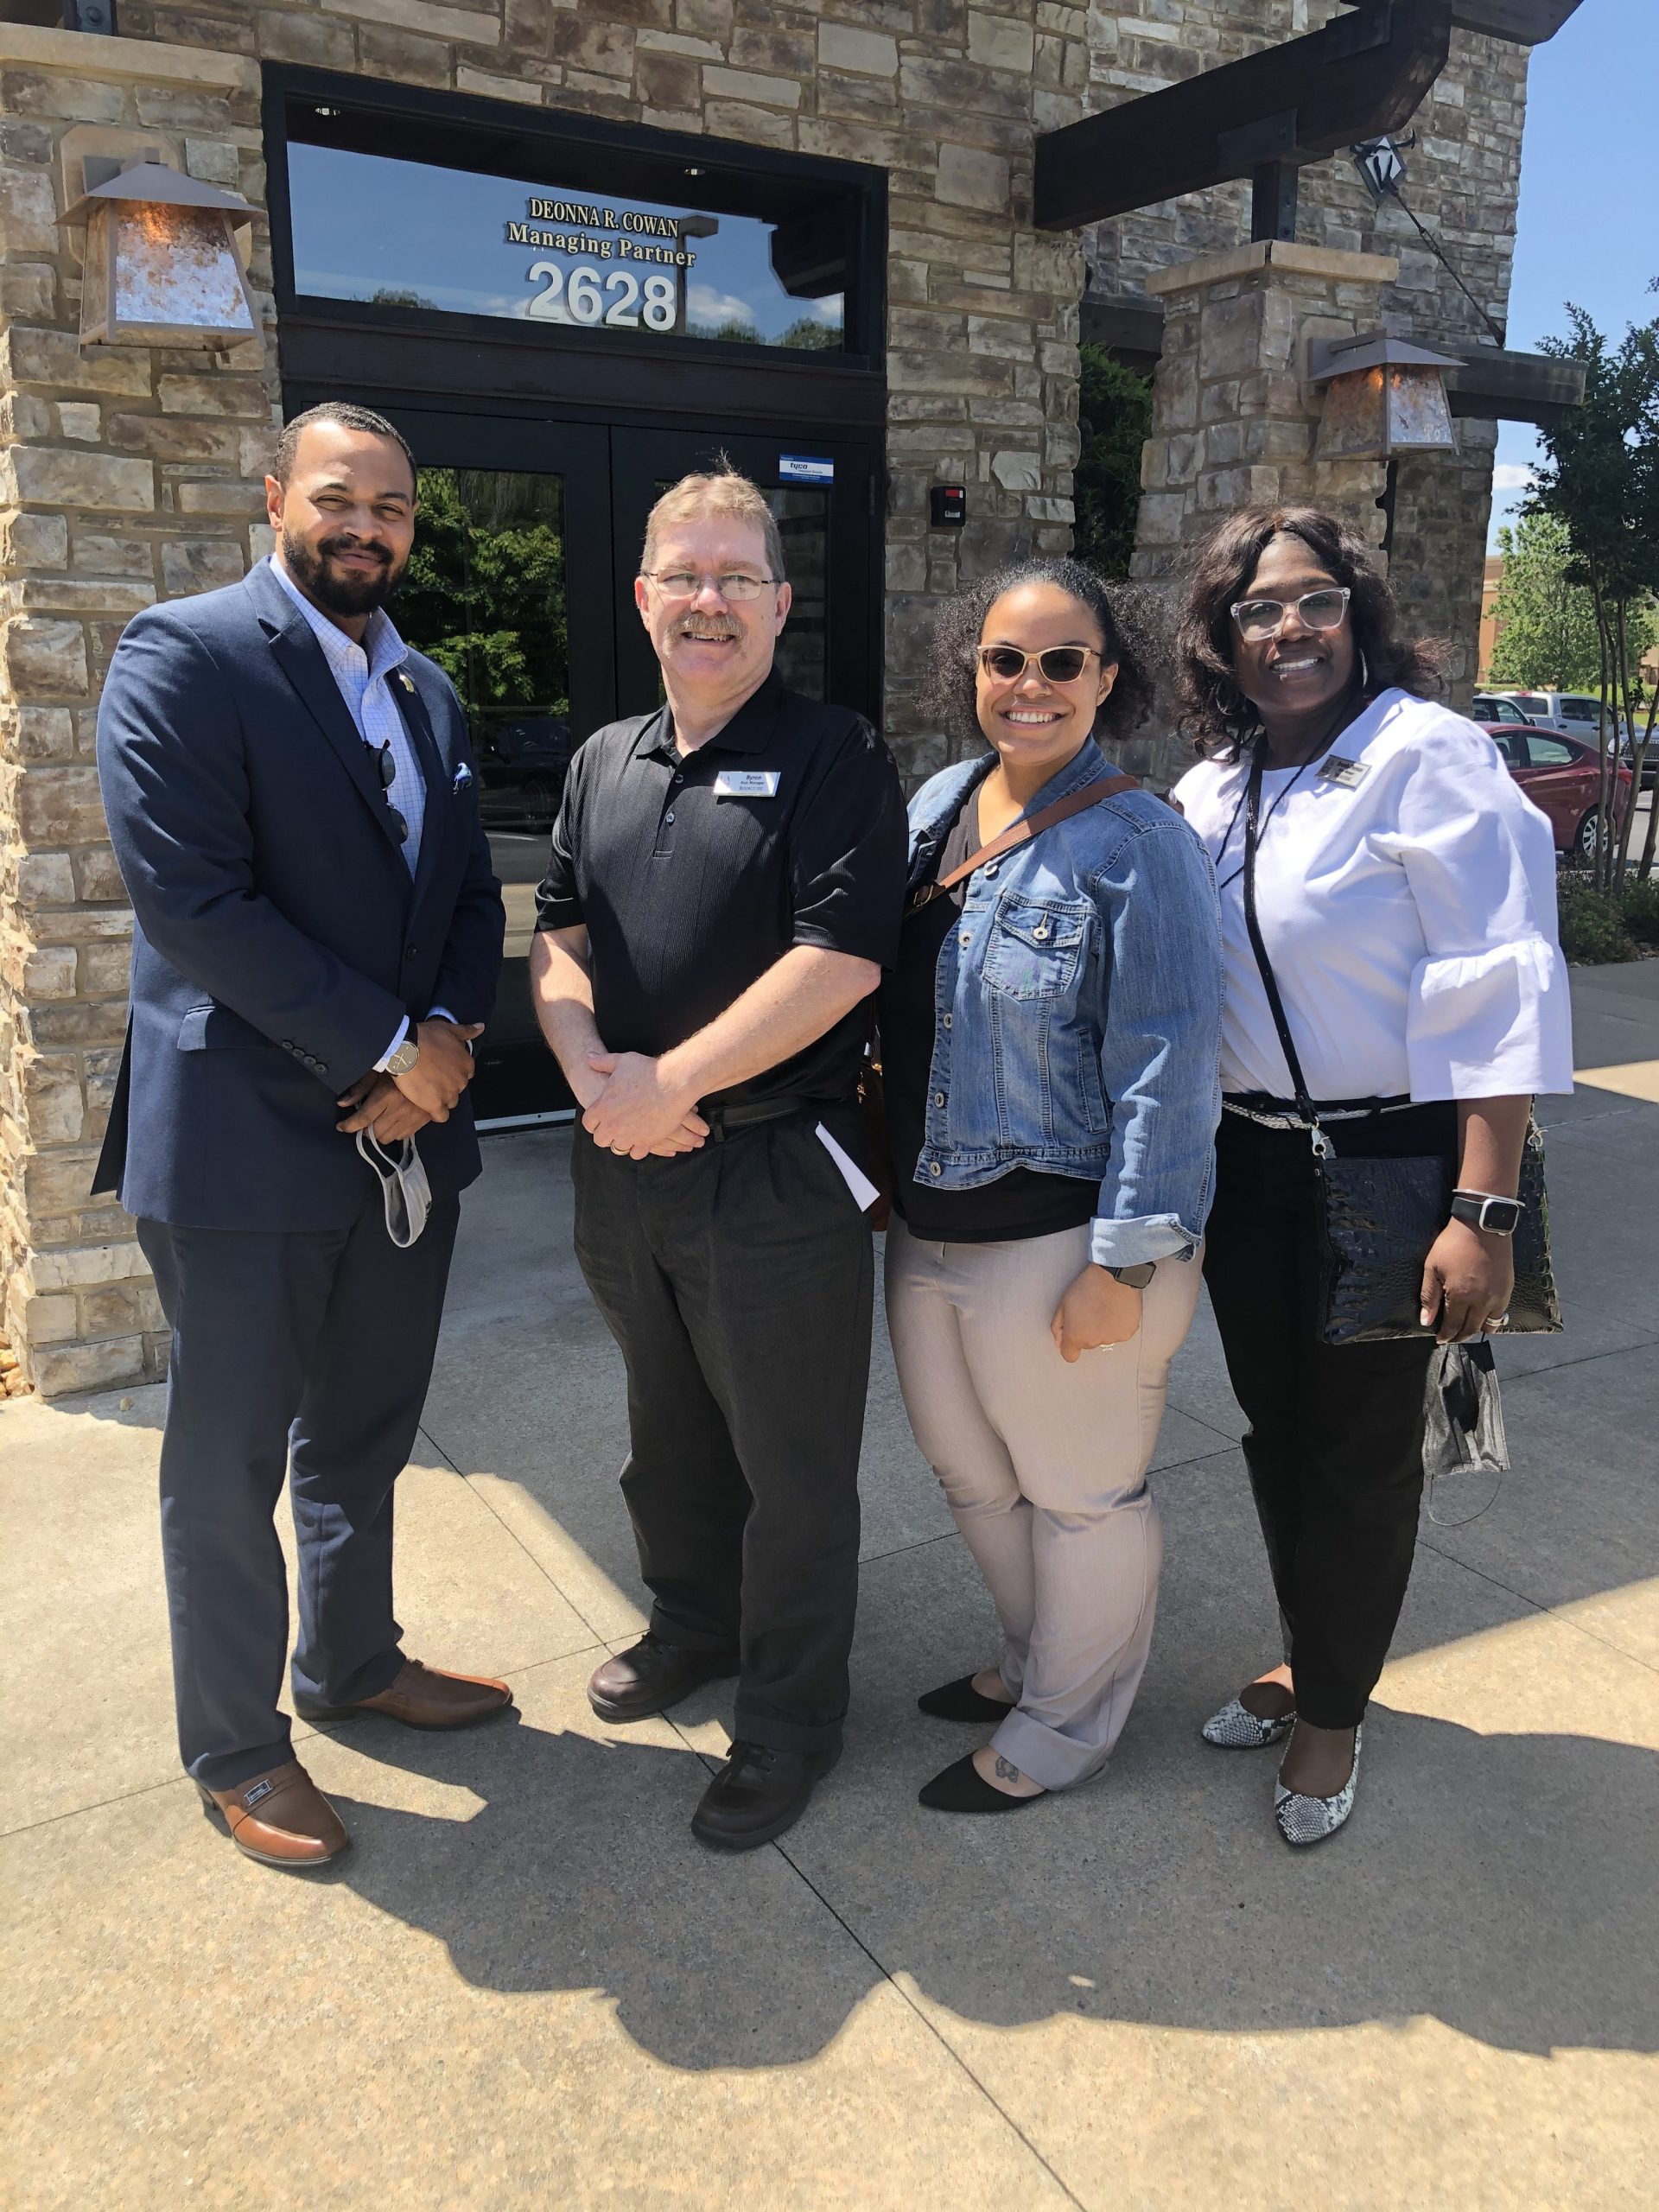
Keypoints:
pixel 1034 947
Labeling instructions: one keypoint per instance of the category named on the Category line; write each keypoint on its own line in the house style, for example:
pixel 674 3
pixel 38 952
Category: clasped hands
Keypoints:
pixel 634 1104
pixel 397 1106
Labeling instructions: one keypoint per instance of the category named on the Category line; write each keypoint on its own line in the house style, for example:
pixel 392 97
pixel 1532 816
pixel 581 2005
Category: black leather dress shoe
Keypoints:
pixel 651 1676
pixel 960 1701
pixel 758 1794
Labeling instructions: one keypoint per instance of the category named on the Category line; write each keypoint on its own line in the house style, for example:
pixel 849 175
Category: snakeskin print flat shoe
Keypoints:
pixel 1236 1728
pixel 1311 1820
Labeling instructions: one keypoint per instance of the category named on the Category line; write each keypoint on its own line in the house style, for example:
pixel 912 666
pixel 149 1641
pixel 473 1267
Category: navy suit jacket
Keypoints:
pixel 278 937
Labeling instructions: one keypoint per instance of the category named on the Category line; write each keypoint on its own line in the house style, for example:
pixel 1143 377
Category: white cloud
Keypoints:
pixel 827 309
pixel 1512 476
pixel 709 306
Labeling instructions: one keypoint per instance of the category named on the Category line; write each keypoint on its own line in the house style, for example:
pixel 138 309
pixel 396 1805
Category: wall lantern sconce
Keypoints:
pixel 164 260
pixel 1383 396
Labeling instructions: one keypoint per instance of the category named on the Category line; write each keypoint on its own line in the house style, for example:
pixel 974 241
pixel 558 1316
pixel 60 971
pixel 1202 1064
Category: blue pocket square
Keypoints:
pixel 463 778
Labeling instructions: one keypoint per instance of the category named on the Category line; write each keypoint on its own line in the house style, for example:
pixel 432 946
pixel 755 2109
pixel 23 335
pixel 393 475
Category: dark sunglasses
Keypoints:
pixel 386 769
pixel 1059 665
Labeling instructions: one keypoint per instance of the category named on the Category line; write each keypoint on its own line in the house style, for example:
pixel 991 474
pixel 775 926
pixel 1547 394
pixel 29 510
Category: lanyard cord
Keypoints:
pixel 1278 800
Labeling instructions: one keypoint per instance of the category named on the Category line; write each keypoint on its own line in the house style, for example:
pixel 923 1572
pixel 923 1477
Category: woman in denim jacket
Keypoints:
pixel 1049 1039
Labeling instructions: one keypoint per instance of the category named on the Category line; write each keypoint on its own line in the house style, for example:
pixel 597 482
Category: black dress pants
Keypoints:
pixel 738 1281
pixel 307 1354
pixel 1335 1447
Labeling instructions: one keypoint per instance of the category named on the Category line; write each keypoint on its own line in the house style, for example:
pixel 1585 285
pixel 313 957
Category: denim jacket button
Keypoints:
pixel 934 1169
pixel 938 1098
pixel 964 940
pixel 1041 932
pixel 947 1021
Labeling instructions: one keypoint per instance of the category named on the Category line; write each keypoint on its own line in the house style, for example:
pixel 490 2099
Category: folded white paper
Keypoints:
pixel 851 1174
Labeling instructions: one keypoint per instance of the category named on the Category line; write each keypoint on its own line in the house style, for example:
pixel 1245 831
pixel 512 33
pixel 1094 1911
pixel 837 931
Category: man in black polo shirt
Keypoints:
pixel 723 891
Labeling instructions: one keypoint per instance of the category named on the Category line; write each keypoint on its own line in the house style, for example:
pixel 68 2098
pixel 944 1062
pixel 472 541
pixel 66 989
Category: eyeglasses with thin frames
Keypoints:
pixel 386 768
pixel 737 586
pixel 1259 619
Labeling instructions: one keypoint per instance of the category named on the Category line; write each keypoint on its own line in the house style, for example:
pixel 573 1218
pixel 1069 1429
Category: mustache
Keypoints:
pixel 706 627
pixel 348 545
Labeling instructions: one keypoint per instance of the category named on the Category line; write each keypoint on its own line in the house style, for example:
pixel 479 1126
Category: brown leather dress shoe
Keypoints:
pixel 280 1817
pixel 425 1697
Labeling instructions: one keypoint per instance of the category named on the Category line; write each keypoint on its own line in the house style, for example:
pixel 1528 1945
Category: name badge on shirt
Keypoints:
pixel 746 782
pixel 1338 770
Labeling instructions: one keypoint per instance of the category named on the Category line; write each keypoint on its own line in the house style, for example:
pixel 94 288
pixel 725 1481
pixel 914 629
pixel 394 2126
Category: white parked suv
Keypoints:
pixel 1573 713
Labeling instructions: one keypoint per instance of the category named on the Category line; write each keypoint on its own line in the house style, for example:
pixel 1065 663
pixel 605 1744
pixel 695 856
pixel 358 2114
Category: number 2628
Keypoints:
pixel 581 298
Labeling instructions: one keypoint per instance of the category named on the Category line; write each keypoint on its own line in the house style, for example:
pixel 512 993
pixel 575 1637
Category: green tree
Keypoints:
pixel 1115 418
pixel 1546 633
pixel 484 593
pixel 1599 480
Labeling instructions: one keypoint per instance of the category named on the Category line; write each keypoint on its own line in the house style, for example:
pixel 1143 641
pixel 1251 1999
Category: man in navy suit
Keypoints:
pixel 317 936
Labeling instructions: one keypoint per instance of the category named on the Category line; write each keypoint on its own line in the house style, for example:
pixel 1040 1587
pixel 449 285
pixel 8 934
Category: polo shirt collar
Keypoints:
pixel 750 729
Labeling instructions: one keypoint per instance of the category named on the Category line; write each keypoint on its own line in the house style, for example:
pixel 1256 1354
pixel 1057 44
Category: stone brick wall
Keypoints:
pixel 126 475
pixel 1463 177
pixel 946 97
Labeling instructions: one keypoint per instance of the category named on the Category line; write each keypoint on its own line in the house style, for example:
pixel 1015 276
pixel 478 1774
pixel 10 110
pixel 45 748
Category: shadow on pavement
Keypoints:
pixel 1496 1883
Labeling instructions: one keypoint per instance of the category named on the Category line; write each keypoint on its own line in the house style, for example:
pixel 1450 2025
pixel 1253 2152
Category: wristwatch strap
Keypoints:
pixel 1137 1277
pixel 1498 1217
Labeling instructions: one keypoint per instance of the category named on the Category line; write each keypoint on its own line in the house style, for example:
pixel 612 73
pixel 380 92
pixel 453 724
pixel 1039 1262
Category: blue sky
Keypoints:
pixel 1588 229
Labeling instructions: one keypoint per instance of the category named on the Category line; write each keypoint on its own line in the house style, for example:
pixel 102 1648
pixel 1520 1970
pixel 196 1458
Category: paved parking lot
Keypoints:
pixel 527 1986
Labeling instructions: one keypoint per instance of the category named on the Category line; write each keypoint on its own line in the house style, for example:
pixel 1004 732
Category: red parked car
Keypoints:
pixel 1559 776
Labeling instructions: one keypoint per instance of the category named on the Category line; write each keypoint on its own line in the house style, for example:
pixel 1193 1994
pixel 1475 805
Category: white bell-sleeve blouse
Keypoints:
pixel 1406 892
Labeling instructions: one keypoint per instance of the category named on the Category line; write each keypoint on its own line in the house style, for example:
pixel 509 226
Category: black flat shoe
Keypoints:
pixel 963 1788
pixel 758 1794
pixel 651 1676
pixel 960 1701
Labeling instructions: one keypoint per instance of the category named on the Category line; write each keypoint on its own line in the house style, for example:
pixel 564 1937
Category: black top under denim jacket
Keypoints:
pixel 1019 1205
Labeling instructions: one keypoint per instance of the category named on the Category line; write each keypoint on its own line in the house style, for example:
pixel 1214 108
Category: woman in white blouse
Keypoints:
pixel 1405 896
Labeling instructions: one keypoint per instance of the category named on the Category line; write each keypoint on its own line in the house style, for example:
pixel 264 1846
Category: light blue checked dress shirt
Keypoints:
pixel 363 674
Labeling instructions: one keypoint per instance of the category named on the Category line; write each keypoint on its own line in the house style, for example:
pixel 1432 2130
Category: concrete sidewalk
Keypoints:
pixel 527 1986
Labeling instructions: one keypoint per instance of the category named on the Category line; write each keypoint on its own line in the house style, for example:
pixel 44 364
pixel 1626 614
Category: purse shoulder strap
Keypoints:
pixel 1269 980
pixel 1021 833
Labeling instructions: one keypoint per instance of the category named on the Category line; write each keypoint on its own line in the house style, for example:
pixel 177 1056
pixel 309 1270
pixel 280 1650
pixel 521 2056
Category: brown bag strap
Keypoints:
pixel 1021 833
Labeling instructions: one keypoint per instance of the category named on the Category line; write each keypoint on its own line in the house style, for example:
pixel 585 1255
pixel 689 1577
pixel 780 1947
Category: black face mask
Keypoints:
pixel 334 593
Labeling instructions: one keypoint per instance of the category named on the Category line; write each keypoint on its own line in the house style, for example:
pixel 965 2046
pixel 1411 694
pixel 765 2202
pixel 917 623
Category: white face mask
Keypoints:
pixel 403 1187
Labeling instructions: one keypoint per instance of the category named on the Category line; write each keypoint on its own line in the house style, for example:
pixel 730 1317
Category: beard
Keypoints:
pixel 312 568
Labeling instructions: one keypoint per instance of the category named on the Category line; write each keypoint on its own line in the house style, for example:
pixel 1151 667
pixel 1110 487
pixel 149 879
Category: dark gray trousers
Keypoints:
pixel 310 1354
pixel 738 1280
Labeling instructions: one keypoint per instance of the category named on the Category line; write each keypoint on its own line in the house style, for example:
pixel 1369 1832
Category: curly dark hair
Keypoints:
pixel 1130 634
pixel 1216 712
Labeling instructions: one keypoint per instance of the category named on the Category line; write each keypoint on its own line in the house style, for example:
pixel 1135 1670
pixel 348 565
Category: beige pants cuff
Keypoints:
pixel 1044 1467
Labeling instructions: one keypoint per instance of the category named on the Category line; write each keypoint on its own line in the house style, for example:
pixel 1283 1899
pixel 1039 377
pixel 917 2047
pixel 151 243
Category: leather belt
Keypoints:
pixel 746 1112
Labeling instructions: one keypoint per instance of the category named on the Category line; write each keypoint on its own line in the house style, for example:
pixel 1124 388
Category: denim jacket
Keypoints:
pixel 1077 1012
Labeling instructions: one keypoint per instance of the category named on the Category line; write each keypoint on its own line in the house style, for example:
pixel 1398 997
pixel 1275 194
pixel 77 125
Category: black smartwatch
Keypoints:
pixel 1498 1217
pixel 1137 1277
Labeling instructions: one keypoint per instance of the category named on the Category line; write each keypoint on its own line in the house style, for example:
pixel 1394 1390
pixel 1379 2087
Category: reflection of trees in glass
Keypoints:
pixel 1116 420
pixel 815 337
pixel 391 296
pixel 484 594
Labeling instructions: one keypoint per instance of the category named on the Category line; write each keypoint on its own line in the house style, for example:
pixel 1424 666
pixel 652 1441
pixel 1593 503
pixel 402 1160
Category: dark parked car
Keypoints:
pixel 1560 777
pixel 521 770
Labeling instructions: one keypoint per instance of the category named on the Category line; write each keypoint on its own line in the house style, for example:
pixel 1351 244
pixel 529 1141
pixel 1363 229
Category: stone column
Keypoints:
pixel 127 474
pixel 1233 424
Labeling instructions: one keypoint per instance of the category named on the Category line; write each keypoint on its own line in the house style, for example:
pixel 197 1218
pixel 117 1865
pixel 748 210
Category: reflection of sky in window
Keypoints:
pixel 364 223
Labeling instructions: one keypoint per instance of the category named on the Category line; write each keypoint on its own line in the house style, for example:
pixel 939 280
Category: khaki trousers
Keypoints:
pixel 1044 1466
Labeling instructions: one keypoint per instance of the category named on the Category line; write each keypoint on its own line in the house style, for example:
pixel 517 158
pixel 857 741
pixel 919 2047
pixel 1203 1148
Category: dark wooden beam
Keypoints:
pixel 1131 331
pixel 1363 76
pixel 1497 386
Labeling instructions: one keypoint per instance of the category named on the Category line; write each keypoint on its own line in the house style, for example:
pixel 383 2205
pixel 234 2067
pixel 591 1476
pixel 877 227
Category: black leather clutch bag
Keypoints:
pixel 1381 1216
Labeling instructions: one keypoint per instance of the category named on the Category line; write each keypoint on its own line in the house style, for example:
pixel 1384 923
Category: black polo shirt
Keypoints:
pixel 693 875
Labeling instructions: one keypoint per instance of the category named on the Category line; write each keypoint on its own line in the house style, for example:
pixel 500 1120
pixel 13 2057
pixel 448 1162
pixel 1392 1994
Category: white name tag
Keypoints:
pixel 746 782
pixel 1338 770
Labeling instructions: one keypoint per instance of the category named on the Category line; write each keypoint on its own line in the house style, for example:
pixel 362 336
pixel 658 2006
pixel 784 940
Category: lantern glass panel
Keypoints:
pixel 177 266
pixel 1355 424
pixel 1420 415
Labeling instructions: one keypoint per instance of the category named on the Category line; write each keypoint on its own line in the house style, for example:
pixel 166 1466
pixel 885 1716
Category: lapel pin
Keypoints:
pixel 407 681
pixel 463 777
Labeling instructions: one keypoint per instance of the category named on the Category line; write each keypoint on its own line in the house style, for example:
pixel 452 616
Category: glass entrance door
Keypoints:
pixel 521 588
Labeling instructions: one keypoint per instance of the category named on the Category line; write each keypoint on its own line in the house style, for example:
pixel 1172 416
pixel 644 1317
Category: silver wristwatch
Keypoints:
pixel 1137 1277
pixel 404 1057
